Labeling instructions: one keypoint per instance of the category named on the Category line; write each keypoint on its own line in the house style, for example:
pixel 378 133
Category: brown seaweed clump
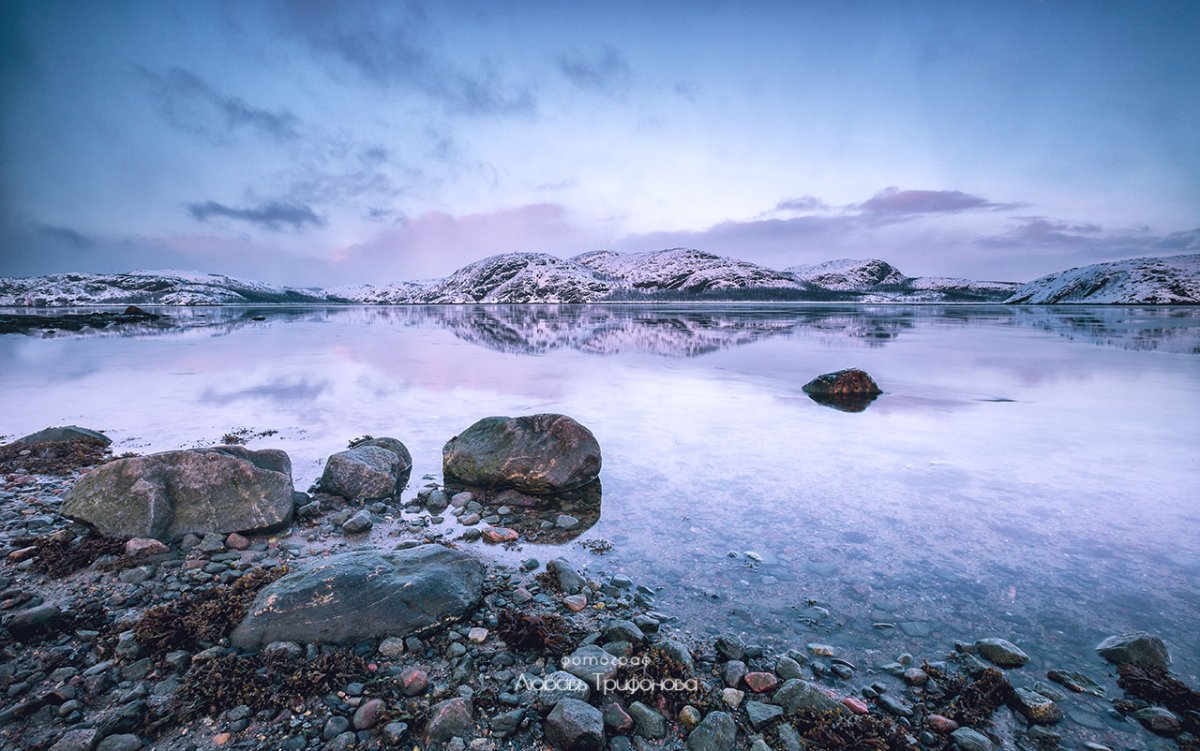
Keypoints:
pixel 534 633
pixel 652 676
pixel 275 681
pixel 971 701
pixel 57 557
pixel 202 616
pixel 52 457
pixel 1158 686
pixel 838 731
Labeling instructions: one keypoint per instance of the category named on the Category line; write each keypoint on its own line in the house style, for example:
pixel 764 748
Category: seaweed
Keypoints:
pixel 834 731
pixel 598 546
pixel 52 457
pixel 202 616
pixel 57 557
pixel 1158 686
pixel 651 675
pixel 263 682
pixel 533 633
pixel 971 701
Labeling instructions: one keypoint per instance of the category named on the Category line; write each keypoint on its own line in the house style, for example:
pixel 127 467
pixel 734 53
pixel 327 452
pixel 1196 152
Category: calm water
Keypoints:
pixel 1029 473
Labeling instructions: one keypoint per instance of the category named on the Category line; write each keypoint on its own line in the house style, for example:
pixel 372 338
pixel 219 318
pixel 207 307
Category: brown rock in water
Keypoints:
pixel 850 390
pixel 537 454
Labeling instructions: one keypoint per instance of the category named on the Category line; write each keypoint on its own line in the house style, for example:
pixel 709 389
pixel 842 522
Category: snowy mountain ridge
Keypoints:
pixel 674 275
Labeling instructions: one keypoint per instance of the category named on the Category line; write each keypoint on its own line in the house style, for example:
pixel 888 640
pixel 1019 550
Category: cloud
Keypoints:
pixel 803 203
pixel 894 202
pixel 272 215
pixel 193 106
pixel 605 70
pixel 1186 240
pixel 63 235
pixel 436 243
pixel 1075 241
pixel 387 43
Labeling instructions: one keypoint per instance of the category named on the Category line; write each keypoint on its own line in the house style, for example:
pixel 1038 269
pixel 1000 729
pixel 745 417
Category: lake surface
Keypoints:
pixel 1030 473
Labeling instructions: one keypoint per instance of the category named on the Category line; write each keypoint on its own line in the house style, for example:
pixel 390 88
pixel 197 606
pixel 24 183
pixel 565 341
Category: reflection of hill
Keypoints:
pixel 684 330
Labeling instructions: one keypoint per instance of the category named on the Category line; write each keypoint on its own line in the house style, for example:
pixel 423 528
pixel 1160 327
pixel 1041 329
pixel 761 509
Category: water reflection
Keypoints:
pixel 687 331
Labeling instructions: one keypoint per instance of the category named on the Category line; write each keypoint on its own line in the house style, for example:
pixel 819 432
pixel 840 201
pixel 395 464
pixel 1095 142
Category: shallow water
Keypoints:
pixel 1029 473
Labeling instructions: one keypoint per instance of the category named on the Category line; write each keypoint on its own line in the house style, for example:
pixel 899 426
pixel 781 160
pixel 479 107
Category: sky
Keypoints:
pixel 323 143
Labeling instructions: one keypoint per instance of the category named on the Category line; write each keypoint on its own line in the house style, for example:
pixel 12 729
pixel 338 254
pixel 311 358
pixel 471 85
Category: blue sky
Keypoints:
pixel 325 143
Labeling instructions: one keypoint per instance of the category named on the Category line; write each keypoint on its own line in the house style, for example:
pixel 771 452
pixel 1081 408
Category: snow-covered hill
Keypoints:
pixel 519 278
pixel 684 270
pixel 849 275
pixel 147 288
pixel 873 280
pixel 1171 280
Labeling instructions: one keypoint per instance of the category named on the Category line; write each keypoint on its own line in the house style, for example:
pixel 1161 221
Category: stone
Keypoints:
pixel 575 603
pixel 538 454
pixel 798 695
pixel 413 681
pixel 507 723
pixel 79 739
pixel 168 495
pixel 761 682
pixel 557 686
pixel 1158 720
pixel 1001 652
pixel 144 546
pixel 1137 647
pixel 733 672
pixel 616 718
pixel 360 522
pixel 368 713
pixel 649 722
pixel 592 664
pixel 622 631
pixel 786 667
pixel 1036 708
pixel 477 635
pixel 716 732
pixel 452 718
pixel 575 726
pixel 971 740
pixel 730 647
pixel 65 433
pixel 234 541
pixel 120 742
pixel 732 697
pixel 679 652
pixel 352 597
pixel 568 579
pixel 362 473
pixel 39 619
pixel 762 714
pixel 848 382
pixel 689 717
pixel 941 724
pixel 498 535
pixel 391 647
pixel 393 445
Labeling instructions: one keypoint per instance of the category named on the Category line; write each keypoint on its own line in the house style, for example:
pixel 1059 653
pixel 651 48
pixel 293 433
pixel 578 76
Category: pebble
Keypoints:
pixel 732 697
pixel 575 603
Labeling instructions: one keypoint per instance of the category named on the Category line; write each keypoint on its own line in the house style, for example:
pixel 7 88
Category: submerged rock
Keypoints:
pixel 537 454
pixel 1137 647
pixel 850 390
pixel 1001 652
pixel 201 491
pixel 362 595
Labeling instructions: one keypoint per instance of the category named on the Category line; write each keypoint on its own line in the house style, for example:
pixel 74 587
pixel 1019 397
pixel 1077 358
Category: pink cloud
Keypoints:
pixel 436 243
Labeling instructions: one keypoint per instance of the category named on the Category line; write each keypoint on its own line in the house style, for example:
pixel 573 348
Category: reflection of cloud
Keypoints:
pixel 281 390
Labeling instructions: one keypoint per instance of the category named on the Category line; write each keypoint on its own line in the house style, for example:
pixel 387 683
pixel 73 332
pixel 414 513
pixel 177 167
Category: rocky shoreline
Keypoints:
pixel 302 631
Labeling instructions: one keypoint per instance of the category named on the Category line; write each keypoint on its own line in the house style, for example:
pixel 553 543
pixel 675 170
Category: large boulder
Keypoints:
pixel 365 472
pixel 574 725
pixel 1136 647
pixel 350 597
pixel 65 433
pixel 167 495
pixel 537 454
